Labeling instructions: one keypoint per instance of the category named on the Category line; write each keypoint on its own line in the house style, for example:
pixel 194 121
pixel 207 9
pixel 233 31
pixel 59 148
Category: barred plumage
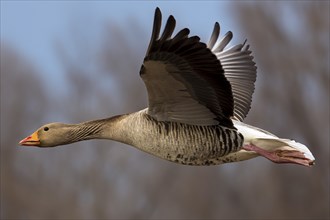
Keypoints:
pixel 179 142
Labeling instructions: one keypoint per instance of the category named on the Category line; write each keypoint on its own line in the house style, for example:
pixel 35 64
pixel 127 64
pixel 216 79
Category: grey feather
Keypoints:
pixel 214 36
pixel 240 70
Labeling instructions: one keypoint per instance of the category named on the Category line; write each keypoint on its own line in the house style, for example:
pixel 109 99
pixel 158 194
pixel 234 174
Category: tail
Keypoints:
pixel 273 148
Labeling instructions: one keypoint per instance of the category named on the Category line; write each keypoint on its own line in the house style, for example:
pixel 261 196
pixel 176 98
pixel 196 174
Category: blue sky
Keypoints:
pixel 32 27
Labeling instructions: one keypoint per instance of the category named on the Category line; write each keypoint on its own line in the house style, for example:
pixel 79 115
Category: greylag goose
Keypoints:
pixel 198 96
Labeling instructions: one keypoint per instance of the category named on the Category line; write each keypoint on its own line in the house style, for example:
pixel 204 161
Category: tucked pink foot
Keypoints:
pixel 281 155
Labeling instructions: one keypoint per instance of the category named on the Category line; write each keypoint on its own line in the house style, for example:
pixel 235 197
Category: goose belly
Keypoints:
pixel 183 143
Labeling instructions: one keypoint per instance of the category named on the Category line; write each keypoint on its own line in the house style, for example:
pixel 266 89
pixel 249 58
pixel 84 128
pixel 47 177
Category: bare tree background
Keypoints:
pixel 105 180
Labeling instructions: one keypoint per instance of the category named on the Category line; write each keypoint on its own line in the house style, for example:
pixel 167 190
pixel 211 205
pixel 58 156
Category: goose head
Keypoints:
pixel 49 135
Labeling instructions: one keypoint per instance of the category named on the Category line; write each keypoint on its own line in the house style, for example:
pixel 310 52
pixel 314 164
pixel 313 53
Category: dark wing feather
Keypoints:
pixel 155 28
pixel 184 79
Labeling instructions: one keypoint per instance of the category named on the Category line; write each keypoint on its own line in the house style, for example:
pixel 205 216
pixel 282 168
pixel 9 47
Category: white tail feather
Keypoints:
pixel 272 144
pixel 267 141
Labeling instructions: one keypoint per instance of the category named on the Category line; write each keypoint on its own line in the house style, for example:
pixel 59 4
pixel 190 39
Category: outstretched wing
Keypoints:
pixel 239 68
pixel 184 79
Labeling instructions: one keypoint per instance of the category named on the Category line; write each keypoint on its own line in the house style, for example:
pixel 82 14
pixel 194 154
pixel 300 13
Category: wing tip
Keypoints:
pixel 214 36
pixel 157 10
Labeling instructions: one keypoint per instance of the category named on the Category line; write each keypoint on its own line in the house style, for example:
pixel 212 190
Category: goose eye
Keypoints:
pixel 46 128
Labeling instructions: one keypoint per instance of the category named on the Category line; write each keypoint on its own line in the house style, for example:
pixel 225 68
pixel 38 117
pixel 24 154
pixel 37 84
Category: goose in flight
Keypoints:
pixel 198 96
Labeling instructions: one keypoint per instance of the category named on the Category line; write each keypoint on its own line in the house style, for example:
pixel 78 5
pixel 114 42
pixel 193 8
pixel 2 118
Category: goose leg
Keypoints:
pixel 281 155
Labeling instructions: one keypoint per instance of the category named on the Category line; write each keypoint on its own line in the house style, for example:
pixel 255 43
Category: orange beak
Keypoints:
pixel 32 140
